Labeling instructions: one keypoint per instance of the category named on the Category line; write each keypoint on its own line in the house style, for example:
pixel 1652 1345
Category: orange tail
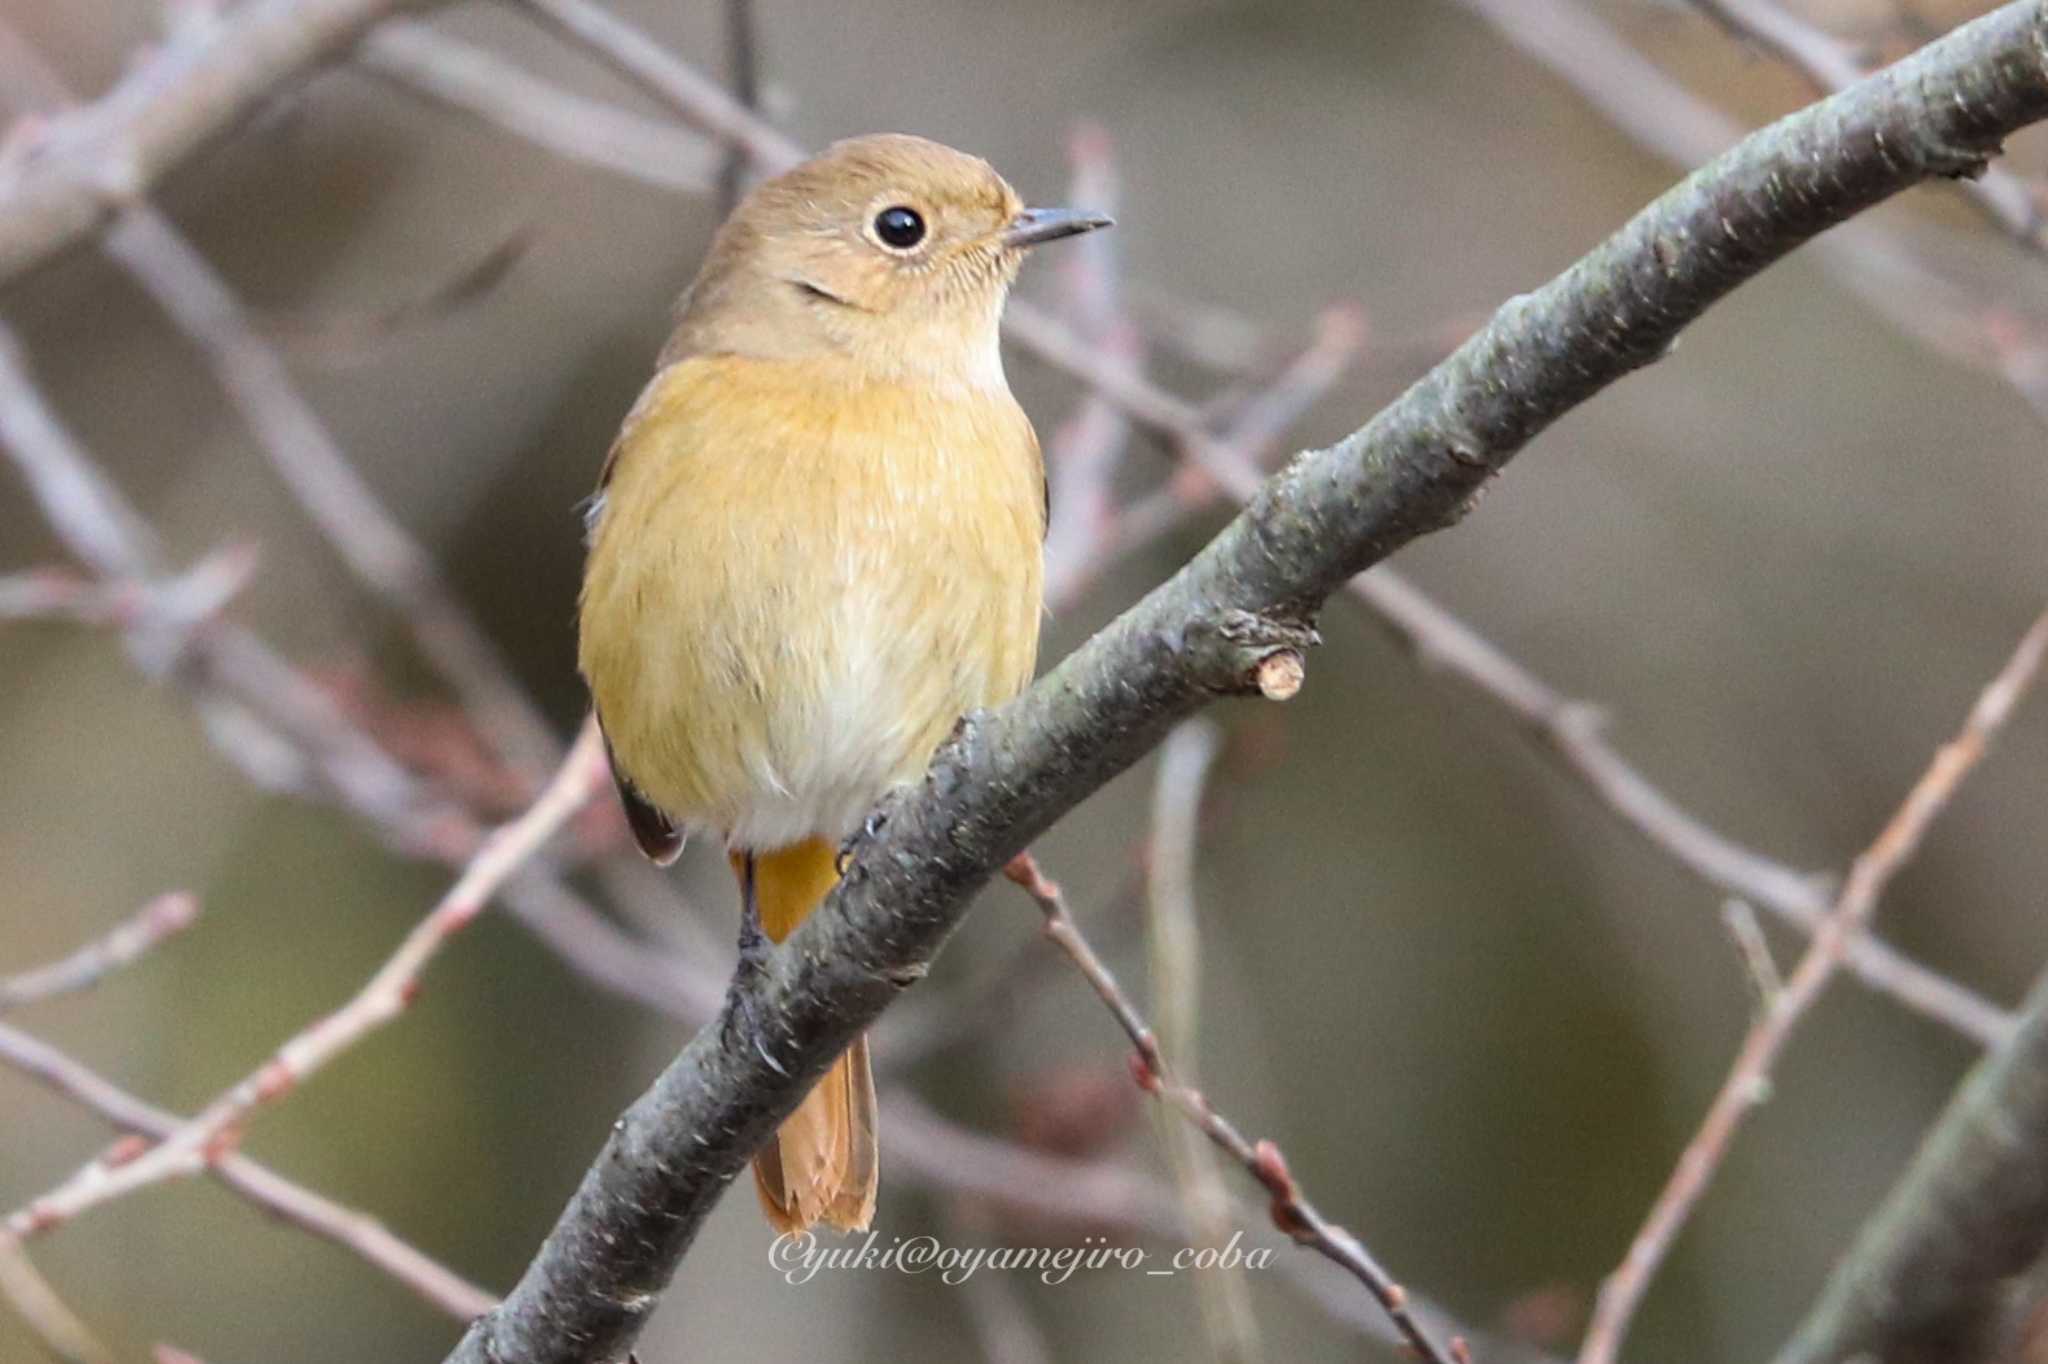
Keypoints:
pixel 821 1165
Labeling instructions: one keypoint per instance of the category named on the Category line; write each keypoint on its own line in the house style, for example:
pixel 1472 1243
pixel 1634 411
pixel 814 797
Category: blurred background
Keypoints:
pixel 1481 1015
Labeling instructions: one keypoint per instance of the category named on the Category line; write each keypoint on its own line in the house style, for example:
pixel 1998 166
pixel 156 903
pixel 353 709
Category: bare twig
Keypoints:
pixel 347 1227
pixel 382 999
pixel 743 74
pixel 486 86
pixel 1003 778
pixel 1749 1078
pixel 310 461
pixel 1175 960
pixel 1291 1212
pixel 1830 64
pixel 1976 327
pixel 161 918
pixel 1567 729
pixel 205 79
pixel 66 1338
pixel 1085 452
pixel 1948 1268
pixel 176 606
pixel 276 724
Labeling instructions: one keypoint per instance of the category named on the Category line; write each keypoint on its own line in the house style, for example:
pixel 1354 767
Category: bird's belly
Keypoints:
pixel 794 686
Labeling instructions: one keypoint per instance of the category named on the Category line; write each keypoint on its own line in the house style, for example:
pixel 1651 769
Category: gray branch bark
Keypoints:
pixel 1253 591
pixel 1928 1279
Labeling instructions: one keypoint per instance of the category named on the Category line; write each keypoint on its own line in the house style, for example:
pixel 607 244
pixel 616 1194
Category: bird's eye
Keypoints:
pixel 899 227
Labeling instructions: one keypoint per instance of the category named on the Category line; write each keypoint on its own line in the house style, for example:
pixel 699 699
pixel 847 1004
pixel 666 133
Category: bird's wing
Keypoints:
pixel 654 831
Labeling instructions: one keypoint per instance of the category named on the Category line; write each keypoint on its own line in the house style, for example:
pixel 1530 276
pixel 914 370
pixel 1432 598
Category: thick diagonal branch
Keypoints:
pixel 1006 777
pixel 1927 1277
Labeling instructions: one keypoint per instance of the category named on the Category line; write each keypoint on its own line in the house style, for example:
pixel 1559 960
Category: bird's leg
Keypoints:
pixel 753 960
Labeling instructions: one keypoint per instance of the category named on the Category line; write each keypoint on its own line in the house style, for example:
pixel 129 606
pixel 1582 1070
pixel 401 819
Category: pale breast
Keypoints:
pixel 796 589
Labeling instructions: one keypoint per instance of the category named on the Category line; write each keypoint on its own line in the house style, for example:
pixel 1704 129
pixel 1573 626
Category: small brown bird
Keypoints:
pixel 815 545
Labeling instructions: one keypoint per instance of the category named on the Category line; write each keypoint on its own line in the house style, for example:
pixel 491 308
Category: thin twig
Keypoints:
pixel 1004 777
pixel 1085 452
pixel 382 999
pixel 177 605
pixel 1830 64
pixel 130 939
pixel 310 462
pixel 1291 1212
pixel 1565 728
pixel 78 168
pixel 67 1339
pixel 347 1227
pixel 1173 937
pixel 1749 1078
pixel 272 721
pixel 1974 326
pixel 486 86
pixel 743 74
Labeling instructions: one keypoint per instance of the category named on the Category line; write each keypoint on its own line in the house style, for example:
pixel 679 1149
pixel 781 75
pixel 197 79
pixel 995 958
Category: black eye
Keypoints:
pixel 899 227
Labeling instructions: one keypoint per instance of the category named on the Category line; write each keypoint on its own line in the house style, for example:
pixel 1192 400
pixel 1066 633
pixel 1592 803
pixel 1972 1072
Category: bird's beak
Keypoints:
pixel 1035 226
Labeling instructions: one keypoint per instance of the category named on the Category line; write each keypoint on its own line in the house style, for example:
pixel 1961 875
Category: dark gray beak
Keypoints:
pixel 1035 226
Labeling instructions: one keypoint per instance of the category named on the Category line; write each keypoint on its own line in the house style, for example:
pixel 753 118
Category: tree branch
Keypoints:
pixel 1004 778
pixel 1925 1279
pixel 204 80
pixel 1750 1077
pixel 127 942
pixel 262 1186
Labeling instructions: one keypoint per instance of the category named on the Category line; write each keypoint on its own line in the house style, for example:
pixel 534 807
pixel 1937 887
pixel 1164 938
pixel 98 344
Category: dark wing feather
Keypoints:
pixel 654 831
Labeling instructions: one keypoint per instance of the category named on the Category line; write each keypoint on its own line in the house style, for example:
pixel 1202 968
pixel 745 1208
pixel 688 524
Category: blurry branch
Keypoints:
pixel 1831 64
pixel 1567 729
pixel 1216 628
pixel 201 1141
pixel 178 604
pixel 1291 1212
pixel 266 1189
pixel 58 1329
pixel 488 87
pixel 1749 1079
pixel 305 455
pixel 1572 733
pixel 202 81
pixel 129 941
pixel 310 461
pixel 1979 327
pixel 1001 1319
pixel 1175 976
pixel 1926 1281
pixel 1111 1196
pixel 278 726
pixel 1085 452
pixel 743 74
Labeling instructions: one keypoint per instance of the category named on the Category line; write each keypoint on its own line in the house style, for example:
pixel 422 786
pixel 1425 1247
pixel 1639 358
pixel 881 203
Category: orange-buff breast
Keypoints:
pixel 800 581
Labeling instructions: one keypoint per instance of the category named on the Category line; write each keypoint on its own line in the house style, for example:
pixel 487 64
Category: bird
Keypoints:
pixel 816 543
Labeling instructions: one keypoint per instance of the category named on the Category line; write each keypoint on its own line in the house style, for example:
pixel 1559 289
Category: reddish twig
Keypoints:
pixel 176 605
pixel 310 461
pixel 383 998
pixel 133 937
pixel 1749 1078
pixel 1569 730
pixel 1290 1210
pixel 347 1227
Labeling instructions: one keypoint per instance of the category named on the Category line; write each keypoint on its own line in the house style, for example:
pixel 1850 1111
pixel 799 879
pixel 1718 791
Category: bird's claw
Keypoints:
pixel 870 828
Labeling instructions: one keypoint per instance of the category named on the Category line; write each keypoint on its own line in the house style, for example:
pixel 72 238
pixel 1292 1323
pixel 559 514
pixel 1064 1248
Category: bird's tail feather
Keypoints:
pixel 821 1165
